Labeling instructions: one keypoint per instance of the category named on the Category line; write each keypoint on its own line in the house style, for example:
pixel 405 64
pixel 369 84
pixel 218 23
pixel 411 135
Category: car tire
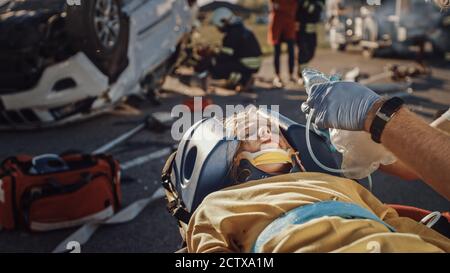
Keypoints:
pixel 100 29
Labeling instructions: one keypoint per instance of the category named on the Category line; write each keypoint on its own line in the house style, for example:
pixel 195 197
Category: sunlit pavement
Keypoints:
pixel 154 230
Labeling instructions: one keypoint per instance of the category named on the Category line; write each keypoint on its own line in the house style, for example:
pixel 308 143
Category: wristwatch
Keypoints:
pixel 383 116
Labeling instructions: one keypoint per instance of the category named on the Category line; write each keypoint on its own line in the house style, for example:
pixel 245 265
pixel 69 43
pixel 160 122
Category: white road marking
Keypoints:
pixel 119 140
pixel 144 159
pixel 162 117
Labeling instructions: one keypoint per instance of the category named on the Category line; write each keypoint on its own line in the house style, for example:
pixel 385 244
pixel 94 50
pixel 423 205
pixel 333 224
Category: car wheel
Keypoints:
pixel 100 29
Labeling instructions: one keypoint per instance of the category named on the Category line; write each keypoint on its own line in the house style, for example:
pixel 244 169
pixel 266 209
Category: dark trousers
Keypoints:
pixel 307 44
pixel 277 56
pixel 224 69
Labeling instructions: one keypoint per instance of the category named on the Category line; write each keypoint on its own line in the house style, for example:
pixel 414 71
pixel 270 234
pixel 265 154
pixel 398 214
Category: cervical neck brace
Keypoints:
pixel 269 156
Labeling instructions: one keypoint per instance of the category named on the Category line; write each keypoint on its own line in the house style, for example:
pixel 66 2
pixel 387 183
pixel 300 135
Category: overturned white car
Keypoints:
pixel 61 60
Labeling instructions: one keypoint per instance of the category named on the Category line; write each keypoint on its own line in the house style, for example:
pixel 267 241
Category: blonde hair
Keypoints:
pixel 243 126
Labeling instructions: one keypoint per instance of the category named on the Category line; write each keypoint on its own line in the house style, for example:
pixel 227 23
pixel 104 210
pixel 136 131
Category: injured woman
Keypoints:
pixel 234 188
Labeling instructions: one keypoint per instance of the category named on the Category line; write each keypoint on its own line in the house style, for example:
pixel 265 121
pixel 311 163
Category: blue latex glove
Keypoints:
pixel 336 104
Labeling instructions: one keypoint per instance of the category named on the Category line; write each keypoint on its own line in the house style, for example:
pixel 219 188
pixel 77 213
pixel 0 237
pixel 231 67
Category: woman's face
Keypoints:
pixel 264 141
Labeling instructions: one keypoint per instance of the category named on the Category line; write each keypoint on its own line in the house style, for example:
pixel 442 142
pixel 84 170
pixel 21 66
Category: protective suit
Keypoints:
pixel 240 56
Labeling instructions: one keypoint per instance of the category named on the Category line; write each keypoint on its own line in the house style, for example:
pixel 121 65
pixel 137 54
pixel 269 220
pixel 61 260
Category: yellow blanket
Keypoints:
pixel 230 220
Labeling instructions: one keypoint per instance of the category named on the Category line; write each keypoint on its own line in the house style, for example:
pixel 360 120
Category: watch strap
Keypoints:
pixel 383 116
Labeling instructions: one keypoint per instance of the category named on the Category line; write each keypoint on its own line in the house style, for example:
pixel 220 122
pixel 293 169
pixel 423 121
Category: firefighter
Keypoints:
pixel 308 15
pixel 240 55
pixel 282 29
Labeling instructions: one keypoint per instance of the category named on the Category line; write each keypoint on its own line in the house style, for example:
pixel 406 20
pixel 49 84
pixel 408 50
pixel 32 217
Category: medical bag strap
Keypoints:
pixel 310 212
pixel 84 233
pixel 175 205
pixel 112 165
pixel 12 159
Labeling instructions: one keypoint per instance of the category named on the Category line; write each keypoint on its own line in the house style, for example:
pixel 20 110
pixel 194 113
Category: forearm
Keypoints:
pixel 401 170
pixel 420 147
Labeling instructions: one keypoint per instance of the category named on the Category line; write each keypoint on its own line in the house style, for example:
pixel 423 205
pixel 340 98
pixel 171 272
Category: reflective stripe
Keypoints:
pixel 234 78
pixel 252 62
pixel 311 28
pixel 228 50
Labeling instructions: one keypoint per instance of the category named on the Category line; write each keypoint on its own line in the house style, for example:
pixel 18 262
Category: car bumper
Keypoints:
pixel 63 91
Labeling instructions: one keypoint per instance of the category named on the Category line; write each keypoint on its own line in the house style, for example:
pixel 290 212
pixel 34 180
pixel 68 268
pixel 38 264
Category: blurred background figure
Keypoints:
pixel 282 29
pixel 239 58
pixel 416 29
pixel 308 16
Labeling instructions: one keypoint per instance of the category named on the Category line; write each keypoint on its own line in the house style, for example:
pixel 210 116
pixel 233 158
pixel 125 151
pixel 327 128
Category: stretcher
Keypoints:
pixel 213 173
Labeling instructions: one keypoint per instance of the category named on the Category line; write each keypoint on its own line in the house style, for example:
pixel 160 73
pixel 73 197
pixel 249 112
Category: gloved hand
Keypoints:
pixel 336 104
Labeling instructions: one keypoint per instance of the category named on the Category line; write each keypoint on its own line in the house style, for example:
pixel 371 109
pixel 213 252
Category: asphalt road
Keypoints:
pixel 154 230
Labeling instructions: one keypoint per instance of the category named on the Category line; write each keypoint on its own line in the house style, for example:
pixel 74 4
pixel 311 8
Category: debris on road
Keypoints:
pixel 403 72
